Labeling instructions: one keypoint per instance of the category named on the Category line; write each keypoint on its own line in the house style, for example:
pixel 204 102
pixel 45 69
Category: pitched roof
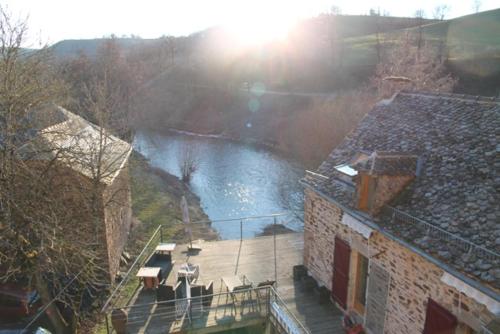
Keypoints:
pixel 83 146
pixel 457 141
pixel 388 163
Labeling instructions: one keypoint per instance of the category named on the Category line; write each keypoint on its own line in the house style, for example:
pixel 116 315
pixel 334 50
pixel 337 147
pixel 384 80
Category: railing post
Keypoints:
pixel 275 259
pixel 241 229
pixel 161 233
pixel 269 291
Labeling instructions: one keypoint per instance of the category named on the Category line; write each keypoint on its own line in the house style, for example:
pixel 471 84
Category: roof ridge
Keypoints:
pixel 464 97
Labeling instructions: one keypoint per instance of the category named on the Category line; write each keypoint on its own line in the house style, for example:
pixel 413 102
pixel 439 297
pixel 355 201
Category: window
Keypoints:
pixel 439 320
pixel 347 170
pixel 361 284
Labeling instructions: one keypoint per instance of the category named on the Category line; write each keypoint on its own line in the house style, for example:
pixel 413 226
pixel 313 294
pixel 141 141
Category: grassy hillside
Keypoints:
pixel 467 37
pixel 89 47
pixel 470 44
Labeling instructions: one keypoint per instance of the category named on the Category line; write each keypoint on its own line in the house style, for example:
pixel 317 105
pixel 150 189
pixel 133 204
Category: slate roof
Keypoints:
pixel 457 140
pixel 388 163
pixel 77 142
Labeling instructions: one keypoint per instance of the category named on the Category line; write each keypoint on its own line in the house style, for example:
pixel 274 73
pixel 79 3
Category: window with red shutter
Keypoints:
pixel 341 259
pixel 439 320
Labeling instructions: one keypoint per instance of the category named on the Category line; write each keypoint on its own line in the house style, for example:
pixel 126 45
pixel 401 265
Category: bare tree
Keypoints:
pixel 48 213
pixel 420 15
pixel 378 34
pixel 440 12
pixel 335 10
pixel 408 67
pixel 476 5
pixel 39 245
pixel 122 76
pixel 188 162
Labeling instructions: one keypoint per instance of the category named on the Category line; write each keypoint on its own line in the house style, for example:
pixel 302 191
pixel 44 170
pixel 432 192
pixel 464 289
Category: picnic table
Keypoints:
pixel 150 276
pixel 165 248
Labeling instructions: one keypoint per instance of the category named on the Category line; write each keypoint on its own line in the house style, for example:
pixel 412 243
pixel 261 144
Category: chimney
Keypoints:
pixel 381 177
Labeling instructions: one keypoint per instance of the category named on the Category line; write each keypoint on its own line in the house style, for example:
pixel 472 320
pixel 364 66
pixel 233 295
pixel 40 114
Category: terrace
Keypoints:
pixel 237 283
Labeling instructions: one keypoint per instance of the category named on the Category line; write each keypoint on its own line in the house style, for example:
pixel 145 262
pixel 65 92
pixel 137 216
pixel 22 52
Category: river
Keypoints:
pixel 233 180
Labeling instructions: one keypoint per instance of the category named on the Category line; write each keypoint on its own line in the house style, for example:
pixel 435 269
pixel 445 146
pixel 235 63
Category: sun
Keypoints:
pixel 253 30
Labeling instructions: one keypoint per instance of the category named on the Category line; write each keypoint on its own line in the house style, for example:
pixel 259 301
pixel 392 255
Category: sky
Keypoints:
pixel 53 20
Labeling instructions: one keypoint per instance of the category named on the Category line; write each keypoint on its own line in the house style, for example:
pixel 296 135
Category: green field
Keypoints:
pixel 471 43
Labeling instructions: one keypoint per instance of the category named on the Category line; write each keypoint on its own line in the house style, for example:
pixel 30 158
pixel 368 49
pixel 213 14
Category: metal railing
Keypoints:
pixel 201 311
pixel 213 310
pixel 450 240
pixel 129 284
pixel 130 281
pixel 280 315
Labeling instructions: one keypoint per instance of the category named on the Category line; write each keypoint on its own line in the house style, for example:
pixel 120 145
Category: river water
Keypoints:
pixel 233 180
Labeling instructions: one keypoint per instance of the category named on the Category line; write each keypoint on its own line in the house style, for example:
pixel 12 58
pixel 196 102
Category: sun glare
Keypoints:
pixel 260 30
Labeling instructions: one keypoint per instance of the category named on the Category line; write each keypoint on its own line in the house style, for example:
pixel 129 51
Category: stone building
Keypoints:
pixel 91 166
pixel 402 220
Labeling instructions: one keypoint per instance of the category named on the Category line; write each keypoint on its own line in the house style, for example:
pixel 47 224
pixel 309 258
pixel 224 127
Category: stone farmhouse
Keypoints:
pixel 402 220
pixel 89 162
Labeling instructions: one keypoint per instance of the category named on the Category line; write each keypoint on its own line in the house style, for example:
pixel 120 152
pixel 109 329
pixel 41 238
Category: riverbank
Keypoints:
pixel 263 143
pixel 156 197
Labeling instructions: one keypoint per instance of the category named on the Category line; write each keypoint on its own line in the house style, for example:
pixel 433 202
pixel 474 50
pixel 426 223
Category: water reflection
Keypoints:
pixel 232 180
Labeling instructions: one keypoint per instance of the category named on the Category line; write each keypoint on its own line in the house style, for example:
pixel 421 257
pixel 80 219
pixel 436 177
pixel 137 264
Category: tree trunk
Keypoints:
pixel 52 311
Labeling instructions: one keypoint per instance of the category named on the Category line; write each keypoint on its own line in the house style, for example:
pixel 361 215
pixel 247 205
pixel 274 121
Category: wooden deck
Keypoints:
pixel 253 258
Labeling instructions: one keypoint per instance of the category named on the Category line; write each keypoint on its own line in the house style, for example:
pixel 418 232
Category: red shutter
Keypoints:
pixel 341 258
pixel 439 320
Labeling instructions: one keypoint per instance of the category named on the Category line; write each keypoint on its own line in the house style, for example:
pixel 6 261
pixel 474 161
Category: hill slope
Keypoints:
pixel 73 47
pixel 469 43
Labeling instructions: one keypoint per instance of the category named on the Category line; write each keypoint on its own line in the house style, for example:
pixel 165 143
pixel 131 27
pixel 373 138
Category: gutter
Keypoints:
pixel 122 164
pixel 367 221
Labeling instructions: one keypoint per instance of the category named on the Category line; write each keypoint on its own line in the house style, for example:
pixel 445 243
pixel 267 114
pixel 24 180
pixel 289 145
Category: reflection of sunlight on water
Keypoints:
pixel 233 180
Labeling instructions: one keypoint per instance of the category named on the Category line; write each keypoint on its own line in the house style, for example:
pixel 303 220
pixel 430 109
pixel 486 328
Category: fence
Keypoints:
pixel 244 306
pixel 201 311
pixel 129 284
pixel 451 241
pixel 281 316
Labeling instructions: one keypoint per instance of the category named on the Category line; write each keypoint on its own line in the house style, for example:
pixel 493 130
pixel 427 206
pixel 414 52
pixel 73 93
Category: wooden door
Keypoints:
pixel 341 259
pixel 439 320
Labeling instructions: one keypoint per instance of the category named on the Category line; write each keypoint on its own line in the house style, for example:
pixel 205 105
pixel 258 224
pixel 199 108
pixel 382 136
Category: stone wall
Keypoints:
pixel 117 217
pixel 388 187
pixel 384 189
pixel 412 279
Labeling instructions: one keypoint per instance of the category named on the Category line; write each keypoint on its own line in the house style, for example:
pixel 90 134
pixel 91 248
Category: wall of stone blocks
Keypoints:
pixel 413 279
pixel 118 214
